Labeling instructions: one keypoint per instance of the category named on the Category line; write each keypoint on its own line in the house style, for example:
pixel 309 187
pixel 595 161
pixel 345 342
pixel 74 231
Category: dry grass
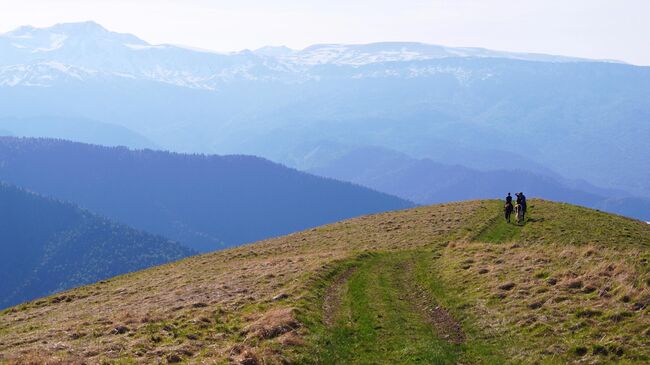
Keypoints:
pixel 203 309
pixel 572 285
pixel 569 301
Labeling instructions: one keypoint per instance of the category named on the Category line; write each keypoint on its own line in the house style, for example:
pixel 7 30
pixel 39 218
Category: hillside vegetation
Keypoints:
pixel 203 201
pixel 441 284
pixel 48 246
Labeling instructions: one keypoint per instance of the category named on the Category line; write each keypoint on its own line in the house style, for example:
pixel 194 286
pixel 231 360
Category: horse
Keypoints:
pixel 519 213
pixel 508 210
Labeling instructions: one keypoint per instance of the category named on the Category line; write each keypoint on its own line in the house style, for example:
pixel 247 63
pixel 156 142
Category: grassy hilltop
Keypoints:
pixel 446 284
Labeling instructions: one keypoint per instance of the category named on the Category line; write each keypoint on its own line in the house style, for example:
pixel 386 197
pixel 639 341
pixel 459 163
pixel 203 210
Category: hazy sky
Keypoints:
pixel 613 29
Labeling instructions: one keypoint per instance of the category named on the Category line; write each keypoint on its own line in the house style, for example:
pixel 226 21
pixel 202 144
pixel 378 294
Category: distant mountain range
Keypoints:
pixel 204 201
pixel 552 116
pixel 48 246
pixel 427 182
pixel 75 129
pixel 85 51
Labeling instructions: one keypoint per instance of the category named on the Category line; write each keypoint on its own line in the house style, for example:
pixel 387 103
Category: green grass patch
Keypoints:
pixel 497 230
pixel 382 326
pixel 378 324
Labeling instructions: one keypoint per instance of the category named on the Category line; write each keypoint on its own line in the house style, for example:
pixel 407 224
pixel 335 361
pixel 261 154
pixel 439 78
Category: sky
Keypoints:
pixel 600 29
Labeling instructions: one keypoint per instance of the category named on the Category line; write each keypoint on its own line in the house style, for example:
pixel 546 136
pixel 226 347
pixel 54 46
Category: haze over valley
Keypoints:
pixel 577 124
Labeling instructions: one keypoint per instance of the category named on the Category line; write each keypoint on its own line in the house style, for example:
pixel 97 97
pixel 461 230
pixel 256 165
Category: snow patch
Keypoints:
pixel 140 47
pixel 56 42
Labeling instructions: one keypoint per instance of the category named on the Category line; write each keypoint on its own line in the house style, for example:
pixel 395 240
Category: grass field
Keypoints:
pixel 444 284
pixel 390 312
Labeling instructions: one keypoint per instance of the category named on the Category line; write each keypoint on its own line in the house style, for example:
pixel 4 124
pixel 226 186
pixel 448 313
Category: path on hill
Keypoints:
pixel 380 313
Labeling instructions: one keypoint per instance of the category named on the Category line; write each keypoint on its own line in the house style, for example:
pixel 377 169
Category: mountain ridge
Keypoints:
pixel 320 295
pixel 207 202
pixel 132 56
pixel 579 120
pixel 425 181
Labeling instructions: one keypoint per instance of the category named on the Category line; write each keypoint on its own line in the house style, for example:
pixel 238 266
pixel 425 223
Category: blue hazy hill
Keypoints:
pixel 48 246
pixel 427 182
pixel 204 201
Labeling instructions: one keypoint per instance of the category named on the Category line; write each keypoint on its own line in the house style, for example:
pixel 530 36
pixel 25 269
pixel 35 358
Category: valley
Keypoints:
pixel 578 119
pixel 205 202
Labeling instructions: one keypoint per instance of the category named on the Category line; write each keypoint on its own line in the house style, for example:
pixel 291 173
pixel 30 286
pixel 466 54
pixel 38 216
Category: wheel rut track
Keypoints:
pixel 446 326
pixel 334 296
pixel 418 297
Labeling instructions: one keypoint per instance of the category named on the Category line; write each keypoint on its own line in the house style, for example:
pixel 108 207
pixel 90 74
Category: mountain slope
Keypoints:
pixel 572 285
pixel 48 246
pixel 206 202
pixel 426 182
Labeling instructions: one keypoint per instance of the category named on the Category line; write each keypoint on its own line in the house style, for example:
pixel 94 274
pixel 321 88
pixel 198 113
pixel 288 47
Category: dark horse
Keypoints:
pixel 508 210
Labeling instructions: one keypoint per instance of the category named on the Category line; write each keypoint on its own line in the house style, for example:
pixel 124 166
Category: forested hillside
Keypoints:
pixel 204 201
pixel 48 246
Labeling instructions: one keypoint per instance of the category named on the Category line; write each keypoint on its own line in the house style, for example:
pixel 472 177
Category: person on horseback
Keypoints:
pixel 521 201
pixel 508 207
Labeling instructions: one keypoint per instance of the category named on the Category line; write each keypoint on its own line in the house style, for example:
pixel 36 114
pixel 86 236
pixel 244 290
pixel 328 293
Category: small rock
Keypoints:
pixel 589 289
pixel 574 284
pixel 249 358
pixel 173 359
pixel 77 335
pixel 483 271
pixel 580 351
pixel 120 330
pixel 617 350
pixel 507 286
pixel 600 350
pixel 551 281
pixel 199 305
pixel 280 297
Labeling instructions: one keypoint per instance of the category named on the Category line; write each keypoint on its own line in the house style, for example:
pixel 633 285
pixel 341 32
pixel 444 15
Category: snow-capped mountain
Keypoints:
pixel 28 52
pixel 42 74
pixel 78 51
pixel 342 54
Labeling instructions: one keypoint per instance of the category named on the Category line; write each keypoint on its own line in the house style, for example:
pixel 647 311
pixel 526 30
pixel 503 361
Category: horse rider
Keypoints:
pixel 508 207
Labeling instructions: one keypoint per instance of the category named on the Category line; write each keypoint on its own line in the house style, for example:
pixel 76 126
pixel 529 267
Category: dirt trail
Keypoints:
pixel 334 295
pixel 442 321
pixel 387 302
